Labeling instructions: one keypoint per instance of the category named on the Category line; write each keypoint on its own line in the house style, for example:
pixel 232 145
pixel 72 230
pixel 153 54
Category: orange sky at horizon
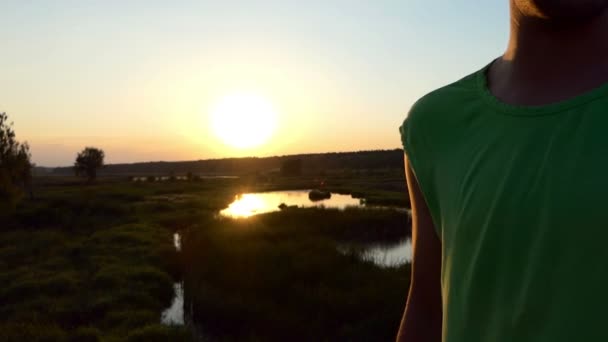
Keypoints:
pixel 139 79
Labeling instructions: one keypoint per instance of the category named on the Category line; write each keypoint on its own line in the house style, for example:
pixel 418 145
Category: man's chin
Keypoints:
pixel 563 12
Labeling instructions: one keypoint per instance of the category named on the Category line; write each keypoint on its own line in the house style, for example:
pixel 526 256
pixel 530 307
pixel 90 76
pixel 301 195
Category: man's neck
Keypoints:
pixel 546 63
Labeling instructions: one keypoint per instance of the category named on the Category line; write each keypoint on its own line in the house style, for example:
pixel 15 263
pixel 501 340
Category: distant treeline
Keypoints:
pixel 310 163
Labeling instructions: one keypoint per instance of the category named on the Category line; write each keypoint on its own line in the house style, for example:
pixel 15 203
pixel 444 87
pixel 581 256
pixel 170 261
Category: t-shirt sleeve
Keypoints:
pixel 417 146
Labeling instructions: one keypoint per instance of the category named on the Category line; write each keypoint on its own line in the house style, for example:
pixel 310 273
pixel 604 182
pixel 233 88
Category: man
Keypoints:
pixel 508 176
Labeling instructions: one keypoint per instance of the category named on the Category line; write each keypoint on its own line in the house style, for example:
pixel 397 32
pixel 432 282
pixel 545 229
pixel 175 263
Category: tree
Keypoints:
pixel 88 161
pixel 15 164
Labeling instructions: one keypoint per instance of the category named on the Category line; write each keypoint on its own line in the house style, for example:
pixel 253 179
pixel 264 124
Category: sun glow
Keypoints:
pixel 243 120
pixel 245 206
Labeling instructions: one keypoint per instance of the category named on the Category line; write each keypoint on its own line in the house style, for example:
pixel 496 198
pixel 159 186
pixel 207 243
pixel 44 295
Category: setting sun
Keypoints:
pixel 243 120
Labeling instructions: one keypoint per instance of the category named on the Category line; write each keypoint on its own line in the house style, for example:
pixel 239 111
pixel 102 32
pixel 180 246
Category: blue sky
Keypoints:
pixel 137 77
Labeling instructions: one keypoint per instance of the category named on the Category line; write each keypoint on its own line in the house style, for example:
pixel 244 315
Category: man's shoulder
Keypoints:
pixel 447 98
pixel 436 113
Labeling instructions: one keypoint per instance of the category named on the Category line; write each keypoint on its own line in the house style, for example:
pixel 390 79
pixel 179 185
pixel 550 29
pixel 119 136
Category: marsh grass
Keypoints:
pixel 82 264
pixel 96 263
pixel 280 276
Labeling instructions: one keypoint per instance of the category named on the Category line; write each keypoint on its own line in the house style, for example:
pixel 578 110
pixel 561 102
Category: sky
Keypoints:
pixel 140 78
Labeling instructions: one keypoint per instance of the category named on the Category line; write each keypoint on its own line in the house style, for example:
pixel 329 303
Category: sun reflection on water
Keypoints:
pixel 247 205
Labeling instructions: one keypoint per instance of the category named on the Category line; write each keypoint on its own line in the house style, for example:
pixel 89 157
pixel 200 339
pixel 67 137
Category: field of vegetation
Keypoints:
pixel 96 262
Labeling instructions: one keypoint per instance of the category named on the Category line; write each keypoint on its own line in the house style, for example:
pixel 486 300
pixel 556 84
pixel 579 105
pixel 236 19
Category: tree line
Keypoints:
pixel 309 164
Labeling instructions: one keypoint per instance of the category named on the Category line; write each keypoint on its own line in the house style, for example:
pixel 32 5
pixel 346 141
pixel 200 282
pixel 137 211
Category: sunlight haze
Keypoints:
pixel 139 78
pixel 243 120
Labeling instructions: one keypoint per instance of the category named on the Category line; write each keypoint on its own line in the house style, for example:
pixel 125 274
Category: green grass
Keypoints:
pixel 279 277
pixel 81 263
pixel 96 262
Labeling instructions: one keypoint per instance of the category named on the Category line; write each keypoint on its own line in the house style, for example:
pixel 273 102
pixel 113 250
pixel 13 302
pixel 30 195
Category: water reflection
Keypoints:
pixel 174 315
pixel 247 205
pixel 383 255
pixel 389 255
pixel 177 241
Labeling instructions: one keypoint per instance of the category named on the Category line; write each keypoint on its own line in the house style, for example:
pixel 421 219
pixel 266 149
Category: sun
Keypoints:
pixel 243 120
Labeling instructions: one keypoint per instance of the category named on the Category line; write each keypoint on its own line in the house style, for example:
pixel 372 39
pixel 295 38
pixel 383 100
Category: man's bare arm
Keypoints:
pixel 422 320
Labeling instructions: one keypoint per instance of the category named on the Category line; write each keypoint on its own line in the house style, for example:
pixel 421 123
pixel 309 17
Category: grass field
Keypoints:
pixel 96 262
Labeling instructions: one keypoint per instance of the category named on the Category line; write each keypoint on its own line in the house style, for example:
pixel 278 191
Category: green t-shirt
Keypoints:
pixel 518 198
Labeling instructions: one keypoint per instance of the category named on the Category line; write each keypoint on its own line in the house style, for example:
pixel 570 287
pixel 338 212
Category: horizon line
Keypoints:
pixel 228 158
